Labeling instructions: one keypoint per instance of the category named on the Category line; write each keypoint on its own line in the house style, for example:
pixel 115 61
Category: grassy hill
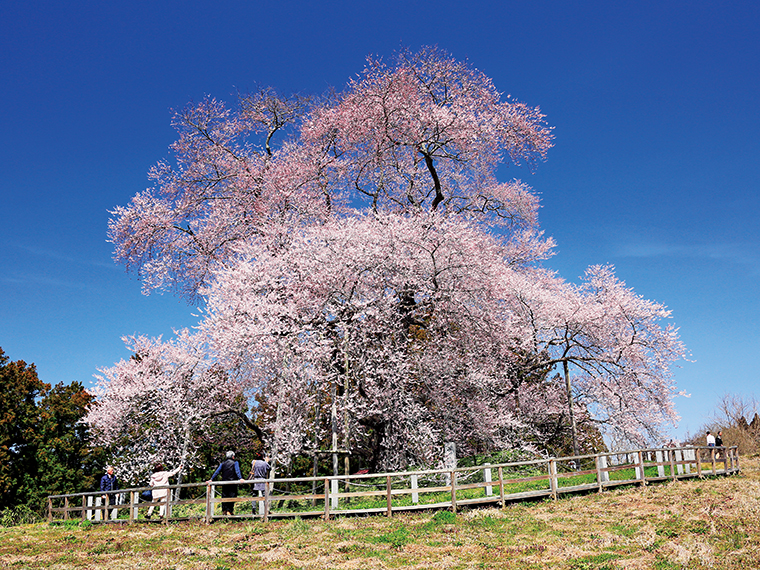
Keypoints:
pixel 710 523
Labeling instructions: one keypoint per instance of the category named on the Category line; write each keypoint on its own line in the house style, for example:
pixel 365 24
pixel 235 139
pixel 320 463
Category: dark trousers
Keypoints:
pixel 229 492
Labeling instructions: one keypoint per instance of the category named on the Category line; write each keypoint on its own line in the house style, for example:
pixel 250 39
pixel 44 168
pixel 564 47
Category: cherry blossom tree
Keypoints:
pixel 359 253
pixel 612 341
pixel 222 190
pixel 405 313
pixel 149 407
pixel 427 133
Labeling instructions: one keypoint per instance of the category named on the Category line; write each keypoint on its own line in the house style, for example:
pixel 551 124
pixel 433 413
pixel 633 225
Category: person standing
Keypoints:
pixel 710 438
pixel 719 443
pixel 160 478
pixel 109 484
pixel 260 469
pixel 230 470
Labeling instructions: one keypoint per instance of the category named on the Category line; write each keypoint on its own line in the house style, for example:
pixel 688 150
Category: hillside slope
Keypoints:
pixel 710 523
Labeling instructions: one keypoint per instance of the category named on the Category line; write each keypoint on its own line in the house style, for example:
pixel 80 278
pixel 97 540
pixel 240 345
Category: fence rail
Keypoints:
pixel 388 493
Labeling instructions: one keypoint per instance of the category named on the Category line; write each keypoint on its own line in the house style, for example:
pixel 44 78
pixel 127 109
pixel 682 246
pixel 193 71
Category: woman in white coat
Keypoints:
pixel 160 478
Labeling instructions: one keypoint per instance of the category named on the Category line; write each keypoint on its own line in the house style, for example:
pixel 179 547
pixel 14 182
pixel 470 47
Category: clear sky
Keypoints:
pixel 656 166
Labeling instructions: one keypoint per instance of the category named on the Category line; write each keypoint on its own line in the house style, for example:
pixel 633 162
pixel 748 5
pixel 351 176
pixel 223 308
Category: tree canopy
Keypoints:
pixel 364 272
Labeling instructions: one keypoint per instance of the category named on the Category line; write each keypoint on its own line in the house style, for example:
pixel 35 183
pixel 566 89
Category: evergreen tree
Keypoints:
pixel 44 447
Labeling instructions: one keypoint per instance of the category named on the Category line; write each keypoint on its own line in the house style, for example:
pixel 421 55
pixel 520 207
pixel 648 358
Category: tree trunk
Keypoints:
pixel 576 451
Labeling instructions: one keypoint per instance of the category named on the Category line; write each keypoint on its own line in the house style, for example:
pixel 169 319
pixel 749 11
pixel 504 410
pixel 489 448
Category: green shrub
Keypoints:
pixel 18 515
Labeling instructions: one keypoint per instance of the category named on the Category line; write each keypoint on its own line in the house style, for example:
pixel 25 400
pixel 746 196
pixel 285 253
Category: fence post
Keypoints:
pixel 168 506
pixel 137 504
pixel 698 453
pixel 209 503
pixel 131 507
pixel 388 497
pixel 327 499
pixel 672 460
pixel 50 510
pixel 553 482
pixel 688 457
pixel 84 506
pixel 266 501
pixel 712 460
pixel 334 494
pixel 487 477
pixel 598 464
pixel 659 458
pixel 415 485
pixel 640 467
pixel 603 467
pixel 501 485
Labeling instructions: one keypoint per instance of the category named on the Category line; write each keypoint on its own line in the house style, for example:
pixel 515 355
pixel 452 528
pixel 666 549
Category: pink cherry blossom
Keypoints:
pixel 369 283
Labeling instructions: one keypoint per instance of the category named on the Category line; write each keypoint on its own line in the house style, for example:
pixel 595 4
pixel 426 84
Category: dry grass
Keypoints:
pixel 711 523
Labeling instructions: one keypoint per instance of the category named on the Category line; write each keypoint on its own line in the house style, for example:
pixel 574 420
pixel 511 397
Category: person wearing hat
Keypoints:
pixel 230 470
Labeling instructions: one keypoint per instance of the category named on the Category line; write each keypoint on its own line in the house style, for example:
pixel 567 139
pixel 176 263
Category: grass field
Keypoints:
pixel 710 523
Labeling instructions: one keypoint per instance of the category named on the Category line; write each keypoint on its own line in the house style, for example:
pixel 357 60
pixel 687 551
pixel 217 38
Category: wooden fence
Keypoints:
pixel 389 493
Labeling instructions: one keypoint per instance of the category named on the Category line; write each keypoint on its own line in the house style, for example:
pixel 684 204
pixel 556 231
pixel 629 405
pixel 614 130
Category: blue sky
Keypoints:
pixel 656 167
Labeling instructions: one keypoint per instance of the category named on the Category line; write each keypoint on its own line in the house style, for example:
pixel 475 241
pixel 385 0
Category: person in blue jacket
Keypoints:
pixel 230 470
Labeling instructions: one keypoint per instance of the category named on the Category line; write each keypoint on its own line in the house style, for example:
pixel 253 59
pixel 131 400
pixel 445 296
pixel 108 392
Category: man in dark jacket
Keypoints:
pixel 230 470
pixel 109 484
